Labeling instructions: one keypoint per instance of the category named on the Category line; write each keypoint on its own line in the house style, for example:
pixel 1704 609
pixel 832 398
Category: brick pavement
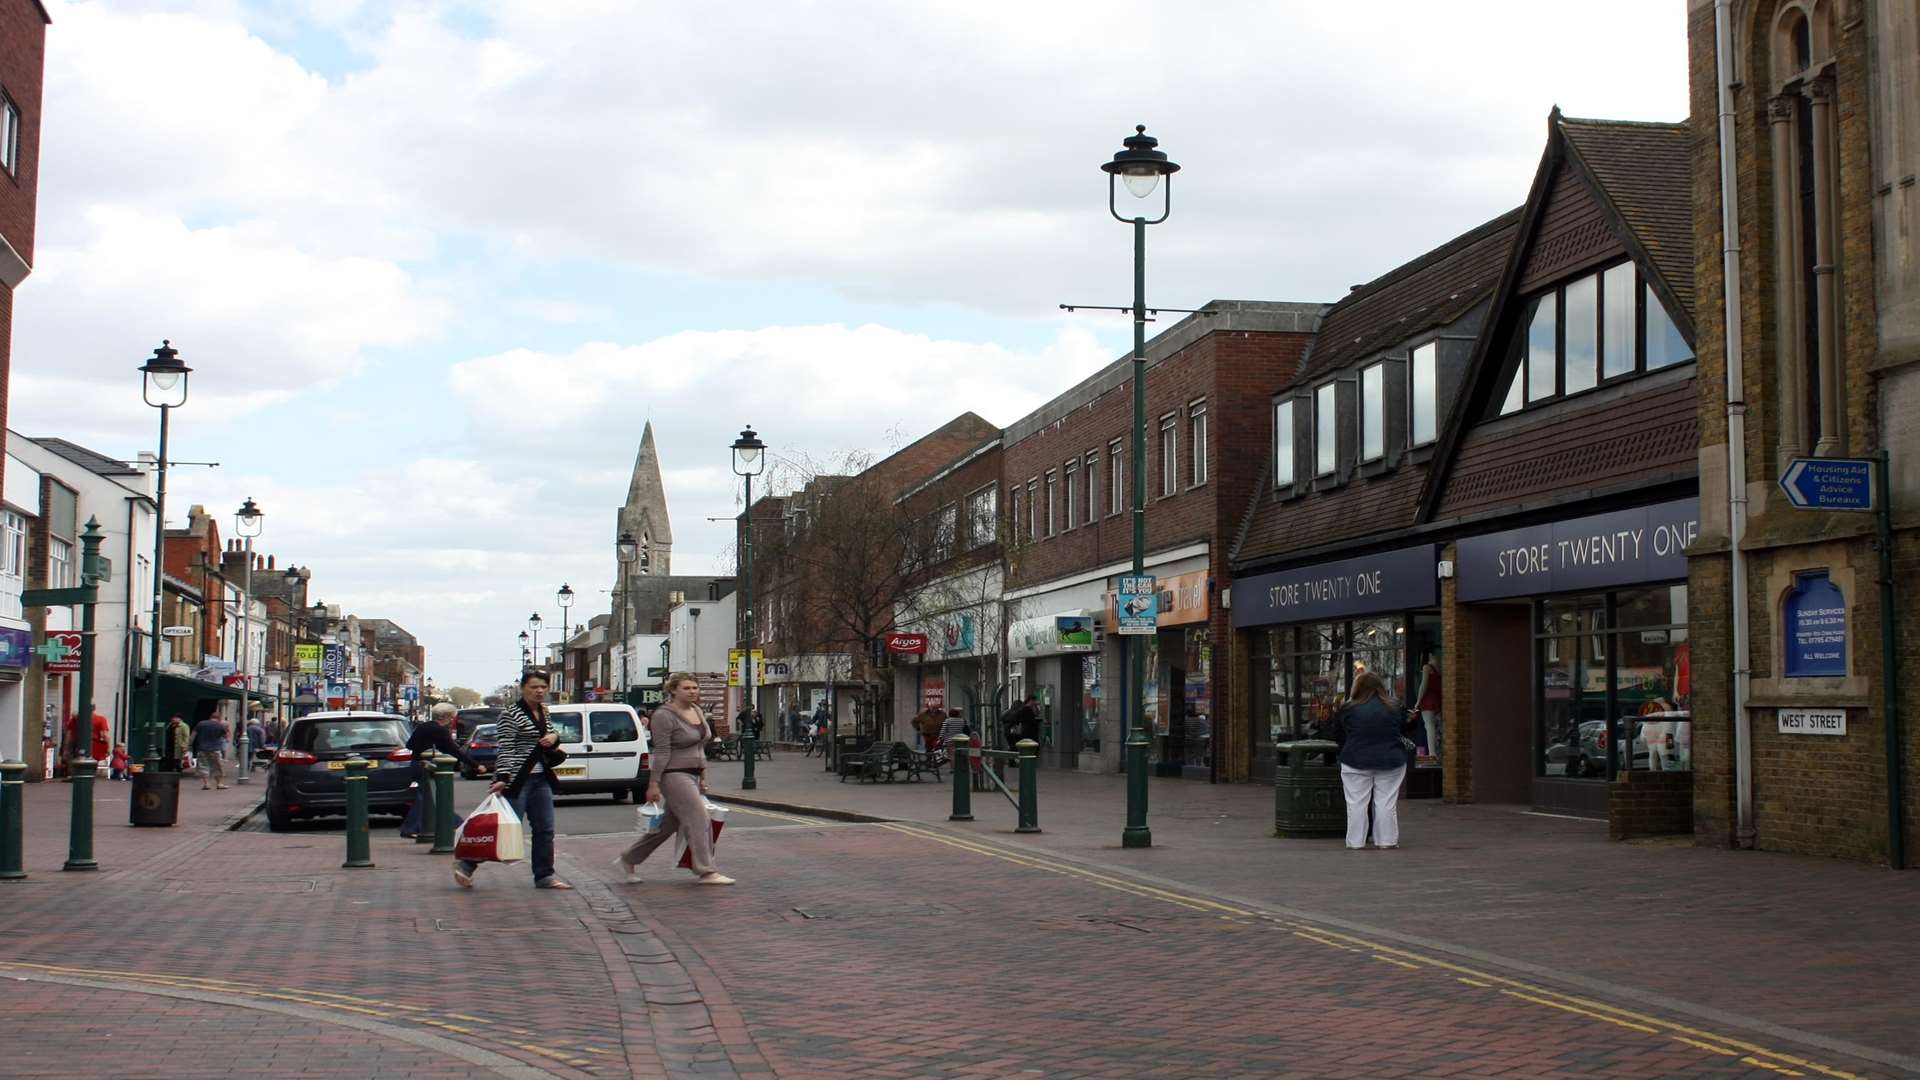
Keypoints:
pixel 1815 945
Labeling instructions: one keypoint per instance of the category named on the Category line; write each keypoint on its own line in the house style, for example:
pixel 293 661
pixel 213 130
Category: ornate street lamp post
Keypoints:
pixel 629 550
pixel 749 460
pixel 534 623
pixel 248 523
pixel 565 599
pixel 163 386
pixel 1140 167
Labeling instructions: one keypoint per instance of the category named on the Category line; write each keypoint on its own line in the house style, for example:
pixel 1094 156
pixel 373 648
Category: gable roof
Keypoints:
pixel 1432 290
pixel 1641 177
pixel 91 460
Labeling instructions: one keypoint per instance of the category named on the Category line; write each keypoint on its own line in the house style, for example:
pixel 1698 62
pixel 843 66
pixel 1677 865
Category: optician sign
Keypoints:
pixel 1389 581
pixel 1622 548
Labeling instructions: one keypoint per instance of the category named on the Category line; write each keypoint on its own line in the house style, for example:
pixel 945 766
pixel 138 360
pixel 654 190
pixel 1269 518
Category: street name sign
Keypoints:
pixel 1813 721
pixel 1829 483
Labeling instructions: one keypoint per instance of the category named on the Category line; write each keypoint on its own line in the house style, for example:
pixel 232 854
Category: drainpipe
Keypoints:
pixel 1736 427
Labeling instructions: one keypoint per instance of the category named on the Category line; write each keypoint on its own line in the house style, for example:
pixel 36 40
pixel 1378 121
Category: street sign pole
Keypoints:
pixel 1889 658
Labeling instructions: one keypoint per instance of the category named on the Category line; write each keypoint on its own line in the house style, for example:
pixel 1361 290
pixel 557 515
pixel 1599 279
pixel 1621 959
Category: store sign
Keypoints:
pixel 1816 625
pixel 1627 547
pixel 907 644
pixel 308 658
pixel 1183 600
pixel 1813 721
pixel 1137 605
pixel 62 651
pixel 333 663
pixel 733 667
pixel 1368 585
pixel 933 693
pixel 958 634
pixel 1048 635
pixel 16 647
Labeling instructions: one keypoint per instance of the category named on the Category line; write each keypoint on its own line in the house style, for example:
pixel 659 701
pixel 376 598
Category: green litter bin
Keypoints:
pixel 1307 798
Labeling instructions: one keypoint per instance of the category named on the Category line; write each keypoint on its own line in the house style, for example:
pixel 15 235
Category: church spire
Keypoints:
pixel 645 513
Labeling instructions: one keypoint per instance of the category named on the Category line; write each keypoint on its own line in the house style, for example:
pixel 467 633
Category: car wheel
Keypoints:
pixel 619 795
pixel 278 820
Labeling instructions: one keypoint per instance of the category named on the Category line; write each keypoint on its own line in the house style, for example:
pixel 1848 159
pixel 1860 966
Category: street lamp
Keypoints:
pixel 749 460
pixel 164 386
pixel 565 597
pixel 1139 166
pixel 248 522
pixel 629 550
pixel 534 623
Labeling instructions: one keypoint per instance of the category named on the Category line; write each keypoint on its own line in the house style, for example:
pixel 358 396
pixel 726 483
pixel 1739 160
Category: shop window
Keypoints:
pixel 1373 412
pixel 1326 436
pixel 1169 455
pixel 1197 432
pixel 1424 393
pixel 1092 694
pixel 1615 689
pixel 1283 443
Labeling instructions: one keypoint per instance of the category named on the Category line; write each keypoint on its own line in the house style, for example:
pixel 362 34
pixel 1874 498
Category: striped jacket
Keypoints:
pixel 516 733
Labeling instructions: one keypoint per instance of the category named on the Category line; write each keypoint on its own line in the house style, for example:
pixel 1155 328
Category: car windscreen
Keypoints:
pixel 349 733
pixel 484 733
pixel 612 725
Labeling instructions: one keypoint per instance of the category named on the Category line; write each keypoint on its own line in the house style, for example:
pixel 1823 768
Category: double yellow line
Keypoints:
pixel 1710 1042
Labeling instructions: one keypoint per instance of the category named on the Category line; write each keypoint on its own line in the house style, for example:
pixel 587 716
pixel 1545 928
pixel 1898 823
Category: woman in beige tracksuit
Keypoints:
pixel 679 735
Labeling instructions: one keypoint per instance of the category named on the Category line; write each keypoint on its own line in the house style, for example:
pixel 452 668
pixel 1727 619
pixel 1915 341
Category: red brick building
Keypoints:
pixel 23 53
pixel 1067 472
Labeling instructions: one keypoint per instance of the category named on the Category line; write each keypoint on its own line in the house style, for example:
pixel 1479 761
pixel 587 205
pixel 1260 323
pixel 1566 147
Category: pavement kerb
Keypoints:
pixel 473 1055
pixel 239 818
pixel 753 802
pixel 1645 998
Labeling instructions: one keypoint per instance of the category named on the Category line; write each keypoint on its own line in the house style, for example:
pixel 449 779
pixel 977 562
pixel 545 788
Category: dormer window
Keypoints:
pixel 1326 435
pixel 1373 412
pixel 1593 330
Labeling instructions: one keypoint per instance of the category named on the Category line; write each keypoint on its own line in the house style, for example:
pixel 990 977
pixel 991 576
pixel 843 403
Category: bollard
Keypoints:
pixel 81 773
pixel 13 810
pixel 359 853
pixel 1029 786
pixel 962 782
pixel 443 819
pixel 429 763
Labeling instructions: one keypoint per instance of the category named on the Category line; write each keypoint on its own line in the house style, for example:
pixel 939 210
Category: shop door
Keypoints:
pixel 1060 737
pixel 1173 698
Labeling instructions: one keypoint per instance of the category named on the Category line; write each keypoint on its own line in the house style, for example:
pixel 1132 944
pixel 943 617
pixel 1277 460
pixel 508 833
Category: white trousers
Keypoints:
pixel 1382 788
pixel 1431 718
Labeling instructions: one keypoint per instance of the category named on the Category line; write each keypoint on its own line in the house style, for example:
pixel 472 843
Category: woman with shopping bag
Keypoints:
pixel 679 736
pixel 523 773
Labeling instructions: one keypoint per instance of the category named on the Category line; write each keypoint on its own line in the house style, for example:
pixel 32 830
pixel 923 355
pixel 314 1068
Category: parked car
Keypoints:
pixel 606 750
pixel 1588 759
pixel 308 777
pixel 1662 741
pixel 466 720
pixel 482 749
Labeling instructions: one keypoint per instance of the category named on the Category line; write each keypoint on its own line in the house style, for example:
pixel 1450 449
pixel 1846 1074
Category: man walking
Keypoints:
pixel 1022 722
pixel 209 750
pixel 434 736
pixel 523 772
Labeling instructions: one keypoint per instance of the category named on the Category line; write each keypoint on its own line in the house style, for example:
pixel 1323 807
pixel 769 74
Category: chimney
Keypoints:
pixel 269 562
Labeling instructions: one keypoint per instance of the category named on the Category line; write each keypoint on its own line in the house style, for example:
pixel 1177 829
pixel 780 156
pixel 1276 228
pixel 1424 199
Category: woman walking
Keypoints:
pixel 679 735
pixel 523 772
pixel 1373 762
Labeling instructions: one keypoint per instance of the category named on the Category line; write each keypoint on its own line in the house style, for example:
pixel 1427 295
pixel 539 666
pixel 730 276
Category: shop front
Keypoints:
pixel 1310 630
pixel 1179 689
pixel 1058 658
pixel 946 662
pixel 1598 606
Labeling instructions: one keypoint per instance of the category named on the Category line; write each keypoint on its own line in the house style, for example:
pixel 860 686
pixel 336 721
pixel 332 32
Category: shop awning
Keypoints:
pixel 184 697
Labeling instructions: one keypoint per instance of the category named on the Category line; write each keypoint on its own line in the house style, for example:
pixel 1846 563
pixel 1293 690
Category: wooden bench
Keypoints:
pixel 886 760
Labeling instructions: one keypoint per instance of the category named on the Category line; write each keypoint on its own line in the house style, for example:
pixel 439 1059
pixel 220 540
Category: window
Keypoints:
pixel 1616 684
pixel 1283 443
pixel 1093 486
pixel 1616 321
pixel 1542 344
pixel 1013 514
pixel 1424 392
pixel 1580 349
pixel 611 725
pixel 10 136
pixel 980 517
pixel 1665 346
pixel 1373 412
pixel 946 525
pixel 1053 502
pixel 1516 390
pixel 1033 508
pixel 1169 456
pixel 13 546
pixel 1116 477
pixel 1072 471
pixel 1197 430
pixel 60 568
pixel 1326 438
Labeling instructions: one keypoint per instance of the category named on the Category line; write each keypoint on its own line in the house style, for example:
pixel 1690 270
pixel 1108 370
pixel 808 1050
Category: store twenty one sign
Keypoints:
pixel 1626 547
pixel 1367 585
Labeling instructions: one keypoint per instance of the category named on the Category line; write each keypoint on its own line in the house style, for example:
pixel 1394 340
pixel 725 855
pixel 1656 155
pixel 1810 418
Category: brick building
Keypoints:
pixel 1067 471
pixel 1822 114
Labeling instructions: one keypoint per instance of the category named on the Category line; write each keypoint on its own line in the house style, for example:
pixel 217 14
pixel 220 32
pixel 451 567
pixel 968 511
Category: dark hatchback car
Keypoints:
pixel 482 748
pixel 469 719
pixel 309 774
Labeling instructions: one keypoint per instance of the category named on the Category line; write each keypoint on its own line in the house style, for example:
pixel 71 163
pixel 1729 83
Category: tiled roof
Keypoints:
pixel 91 460
pixel 1432 290
pixel 1646 171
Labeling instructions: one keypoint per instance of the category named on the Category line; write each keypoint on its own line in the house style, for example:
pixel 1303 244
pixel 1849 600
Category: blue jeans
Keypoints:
pixel 417 811
pixel 534 804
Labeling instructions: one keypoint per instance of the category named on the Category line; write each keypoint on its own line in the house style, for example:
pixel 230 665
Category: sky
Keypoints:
pixel 435 262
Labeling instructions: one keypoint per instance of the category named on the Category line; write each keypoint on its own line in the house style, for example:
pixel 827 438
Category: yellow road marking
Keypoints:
pixel 1324 941
pixel 554 1054
pixel 1707 1046
pixel 1541 995
pixel 1399 963
pixel 1770 1065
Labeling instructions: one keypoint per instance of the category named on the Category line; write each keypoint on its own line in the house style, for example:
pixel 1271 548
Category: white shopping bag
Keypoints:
pixel 492 833
pixel 717 814
pixel 653 817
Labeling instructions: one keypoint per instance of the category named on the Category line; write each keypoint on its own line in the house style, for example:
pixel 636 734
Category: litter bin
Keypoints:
pixel 156 798
pixel 1307 798
pixel 848 747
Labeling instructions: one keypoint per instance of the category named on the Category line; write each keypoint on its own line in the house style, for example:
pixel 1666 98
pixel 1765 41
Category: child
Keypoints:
pixel 118 762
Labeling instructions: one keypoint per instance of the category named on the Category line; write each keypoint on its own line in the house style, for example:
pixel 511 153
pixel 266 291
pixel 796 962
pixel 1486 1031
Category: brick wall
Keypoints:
pixel 1456 693
pixel 1649 804
pixel 23 45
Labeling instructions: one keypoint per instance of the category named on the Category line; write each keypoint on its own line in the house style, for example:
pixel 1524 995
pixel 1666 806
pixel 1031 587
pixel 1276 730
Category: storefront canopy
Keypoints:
pixel 188 698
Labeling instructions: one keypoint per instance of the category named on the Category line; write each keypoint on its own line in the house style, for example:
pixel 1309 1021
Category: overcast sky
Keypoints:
pixel 434 263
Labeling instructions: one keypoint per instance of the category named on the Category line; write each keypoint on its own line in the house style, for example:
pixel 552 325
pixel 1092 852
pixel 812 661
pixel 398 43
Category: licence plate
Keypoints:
pixel 572 770
pixel 336 764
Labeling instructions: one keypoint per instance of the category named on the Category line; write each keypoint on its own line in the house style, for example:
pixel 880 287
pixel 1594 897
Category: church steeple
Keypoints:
pixel 645 513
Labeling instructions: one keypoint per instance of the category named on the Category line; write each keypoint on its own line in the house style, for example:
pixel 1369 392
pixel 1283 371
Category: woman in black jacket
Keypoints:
pixel 1373 762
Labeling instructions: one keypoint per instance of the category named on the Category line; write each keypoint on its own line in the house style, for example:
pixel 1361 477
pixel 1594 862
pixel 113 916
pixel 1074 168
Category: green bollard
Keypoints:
pixel 962 781
pixel 13 794
pixel 359 852
pixel 81 773
pixel 1029 786
pixel 443 821
pixel 426 793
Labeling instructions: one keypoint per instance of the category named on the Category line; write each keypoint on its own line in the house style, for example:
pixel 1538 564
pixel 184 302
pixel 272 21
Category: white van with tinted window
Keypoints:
pixel 606 750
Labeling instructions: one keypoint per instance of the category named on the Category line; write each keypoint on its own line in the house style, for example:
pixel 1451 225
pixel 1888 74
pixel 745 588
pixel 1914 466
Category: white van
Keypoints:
pixel 606 750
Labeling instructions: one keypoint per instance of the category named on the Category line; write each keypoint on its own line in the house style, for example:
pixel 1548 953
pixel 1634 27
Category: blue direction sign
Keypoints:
pixel 1829 483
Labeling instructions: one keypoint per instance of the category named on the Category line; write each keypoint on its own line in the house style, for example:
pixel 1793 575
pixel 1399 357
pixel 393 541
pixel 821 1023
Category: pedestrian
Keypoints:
pixel 928 725
pixel 1373 762
pixel 209 751
pixel 523 772
pixel 256 734
pixel 117 764
pixel 102 738
pixel 955 723
pixel 179 744
pixel 436 735
pixel 678 736
pixel 1022 722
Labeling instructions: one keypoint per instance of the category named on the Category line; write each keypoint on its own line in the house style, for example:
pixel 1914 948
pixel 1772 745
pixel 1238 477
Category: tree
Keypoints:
pixel 463 697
